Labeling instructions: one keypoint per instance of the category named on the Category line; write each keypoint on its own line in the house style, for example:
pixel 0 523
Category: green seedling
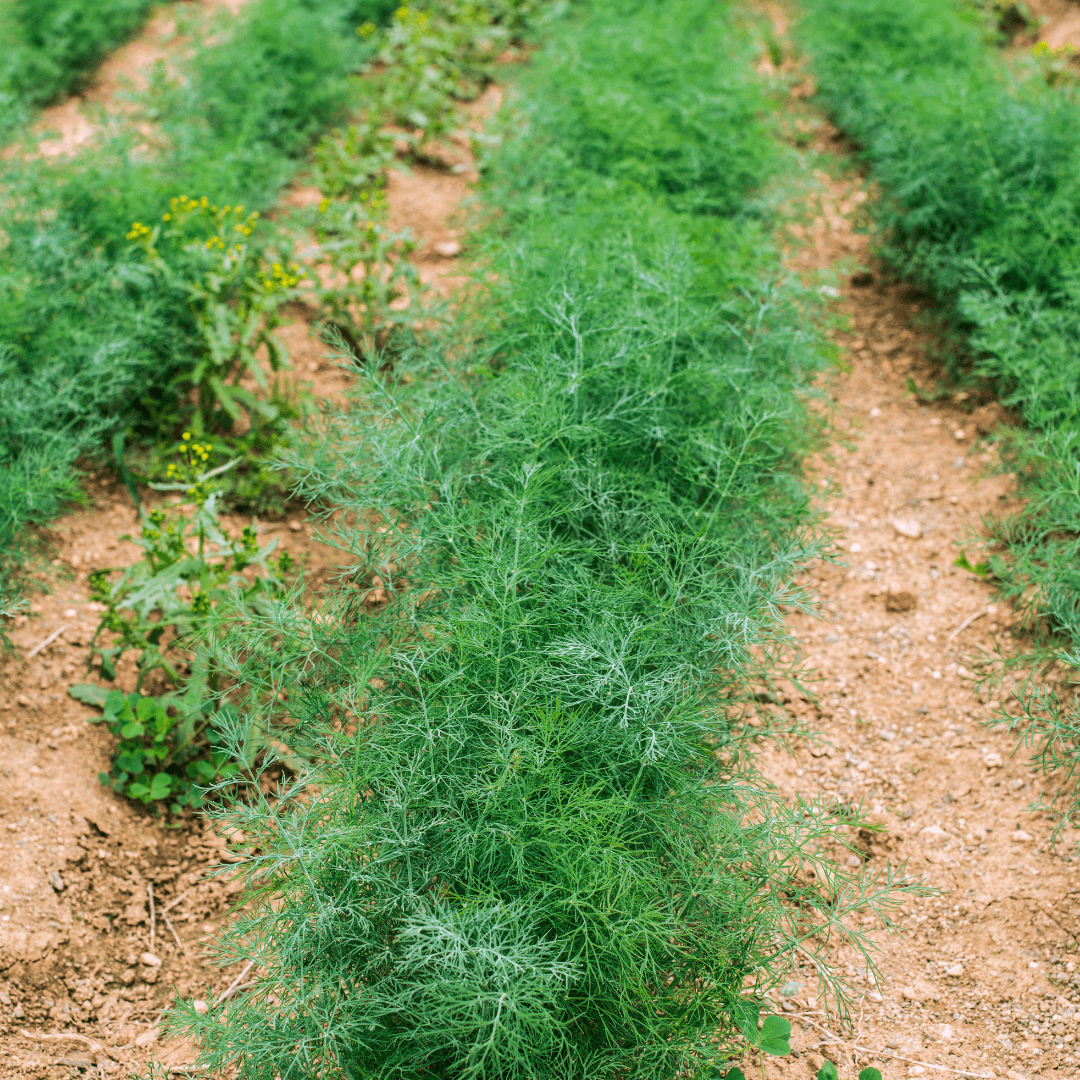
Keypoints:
pixel 828 1071
pixel 962 561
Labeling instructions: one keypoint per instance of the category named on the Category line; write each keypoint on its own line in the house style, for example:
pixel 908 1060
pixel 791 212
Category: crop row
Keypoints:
pixel 530 840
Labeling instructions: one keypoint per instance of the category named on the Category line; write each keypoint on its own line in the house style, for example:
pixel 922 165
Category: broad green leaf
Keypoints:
pixel 734 1074
pixel 130 761
pixel 828 1072
pixel 160 786
pixel 774 1035
pixel 89 694
pixel 115 704
pixel 134 730
pixel 870 1074
pixel 137 791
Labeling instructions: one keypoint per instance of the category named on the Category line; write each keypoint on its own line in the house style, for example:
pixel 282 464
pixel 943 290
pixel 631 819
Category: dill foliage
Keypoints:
pixel 979 160
pixel 91 343
pixel 51 47
pixel 533 844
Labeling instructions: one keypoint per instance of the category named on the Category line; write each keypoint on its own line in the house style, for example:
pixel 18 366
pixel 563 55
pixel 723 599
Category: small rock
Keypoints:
pixel 295 526
pixel 147 1038
pixel 954 971
pixel 1021 837
pixel 946 1031
pixel 961 791
pixel 150 975
pixel 916 1070
pixel 899 602
pixel 1015 1074
pixel 993 760
pixel 815 1061
pixel 908 527
pixel 447 248
pixel 23 700
pixel 17 1012
pixel 200 1007
pixel 853 862
pixel 875 996
pixel 919 990
pixel 934 832
pixel 56 881
pixel 150 959
pixel 127 977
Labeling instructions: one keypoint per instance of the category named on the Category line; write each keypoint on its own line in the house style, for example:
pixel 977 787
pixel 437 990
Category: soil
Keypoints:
pixel 982 980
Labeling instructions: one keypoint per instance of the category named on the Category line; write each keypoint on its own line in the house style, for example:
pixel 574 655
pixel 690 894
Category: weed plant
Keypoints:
pixel 168 743
pixel 99 340
pixel 979 161
pixel 534 844
pixel 49 48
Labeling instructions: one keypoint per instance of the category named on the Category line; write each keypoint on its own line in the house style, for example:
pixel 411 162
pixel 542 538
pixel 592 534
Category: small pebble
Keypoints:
pixel 901 601
pixel 200 1007
pixel 447 248
pixel 908 527
pixel 1018 836
pixel 150 959
pixel 295 526
pixel 954 971
pixel 147 1038
pixel 993 760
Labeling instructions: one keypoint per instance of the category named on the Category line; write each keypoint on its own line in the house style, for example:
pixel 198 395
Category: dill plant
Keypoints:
pixel 534 844
pixel 51 47
pixel 93 343
pixel 978 157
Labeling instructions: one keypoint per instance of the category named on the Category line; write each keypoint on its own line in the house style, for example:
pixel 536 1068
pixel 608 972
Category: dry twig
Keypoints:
pixel 172 930
pixel 153 918
pixel 234 985
pixel 884 1053
pixel 48 641
pixel 965 624
pixel 94 1045
pixel 174 901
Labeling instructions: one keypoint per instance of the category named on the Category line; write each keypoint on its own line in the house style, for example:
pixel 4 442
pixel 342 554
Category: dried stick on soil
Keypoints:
pixel 172 930
pixel 884 1053
pixel 92 1043
pixel 965 624
pixel 232 987
pixel 153 919
pixel 174 901
pixel 48 641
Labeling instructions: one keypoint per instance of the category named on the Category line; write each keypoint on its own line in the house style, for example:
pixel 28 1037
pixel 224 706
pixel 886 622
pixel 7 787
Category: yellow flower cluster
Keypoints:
pixel 139 231
pixel 281 277
pixel 366 30
pixel 1043 49
pixel 416 20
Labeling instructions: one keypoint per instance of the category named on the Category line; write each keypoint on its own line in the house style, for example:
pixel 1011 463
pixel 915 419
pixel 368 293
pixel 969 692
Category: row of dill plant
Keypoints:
pixel 977 153
pixel 534 843
pixel 49 48
pixel 99 338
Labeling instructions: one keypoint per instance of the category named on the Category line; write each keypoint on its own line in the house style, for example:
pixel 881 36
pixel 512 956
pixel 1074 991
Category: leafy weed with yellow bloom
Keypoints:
pixel 157 608
pixel 204 251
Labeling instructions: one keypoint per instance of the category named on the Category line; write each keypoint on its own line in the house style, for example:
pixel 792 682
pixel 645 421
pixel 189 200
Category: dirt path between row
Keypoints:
pixel 984 979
